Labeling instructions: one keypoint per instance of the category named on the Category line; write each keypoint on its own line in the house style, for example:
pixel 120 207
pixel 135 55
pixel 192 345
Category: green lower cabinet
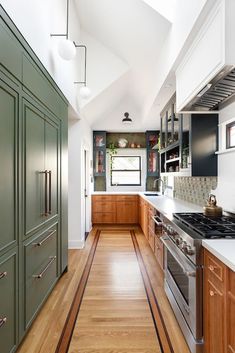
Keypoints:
pixel 41 271
pixel 8 302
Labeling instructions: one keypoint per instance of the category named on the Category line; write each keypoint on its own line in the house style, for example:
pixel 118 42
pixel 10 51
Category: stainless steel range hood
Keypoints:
pixel 216 93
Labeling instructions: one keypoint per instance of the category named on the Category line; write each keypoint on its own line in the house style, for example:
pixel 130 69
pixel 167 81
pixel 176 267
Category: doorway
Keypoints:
pixel 86 192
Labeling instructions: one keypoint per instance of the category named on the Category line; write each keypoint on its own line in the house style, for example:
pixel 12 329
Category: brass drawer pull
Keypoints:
pixel 3 274
pixel 212 293
pixel 40 275
pixel 45 239
pixel 3 321
pixel 212 268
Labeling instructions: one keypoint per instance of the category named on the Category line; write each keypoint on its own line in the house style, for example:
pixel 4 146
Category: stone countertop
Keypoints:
pixel 223 249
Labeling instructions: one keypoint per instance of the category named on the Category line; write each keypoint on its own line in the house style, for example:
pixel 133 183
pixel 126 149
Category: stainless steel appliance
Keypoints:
pixel 182 237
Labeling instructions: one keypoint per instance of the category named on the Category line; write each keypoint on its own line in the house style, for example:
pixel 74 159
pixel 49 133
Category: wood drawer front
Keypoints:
pixel 151 224
pixel 151 211
pixel 104 206
pixel 126 198
pixel 39 250
pixel 215 268
pixel 151 239
pixel 159 252
pixel 8 307
pixel 127 212
pixel 104 217
pixel 103 198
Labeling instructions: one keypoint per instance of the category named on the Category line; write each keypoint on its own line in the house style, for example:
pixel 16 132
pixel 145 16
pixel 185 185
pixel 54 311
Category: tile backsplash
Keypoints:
pixel 194 189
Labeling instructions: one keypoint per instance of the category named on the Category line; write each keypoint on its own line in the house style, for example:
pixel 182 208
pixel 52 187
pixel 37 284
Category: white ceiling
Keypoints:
pixel 134 34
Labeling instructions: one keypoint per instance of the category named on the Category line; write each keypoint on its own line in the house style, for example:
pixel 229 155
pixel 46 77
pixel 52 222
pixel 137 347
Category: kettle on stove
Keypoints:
pixel 211 209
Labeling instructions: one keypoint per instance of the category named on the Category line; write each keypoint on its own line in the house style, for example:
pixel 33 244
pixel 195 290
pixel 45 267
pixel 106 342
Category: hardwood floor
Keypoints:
pixel 114 315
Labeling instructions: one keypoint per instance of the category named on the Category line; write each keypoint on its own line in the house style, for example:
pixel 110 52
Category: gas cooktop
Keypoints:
pixel 208 227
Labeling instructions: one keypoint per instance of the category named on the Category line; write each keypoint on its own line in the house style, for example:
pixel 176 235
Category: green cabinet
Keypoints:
pixel 9 100
pixel 41 167
pixel 33 185
pixel 8 302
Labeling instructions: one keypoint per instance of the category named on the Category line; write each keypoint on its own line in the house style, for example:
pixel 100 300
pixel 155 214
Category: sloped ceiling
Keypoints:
pixel 134 33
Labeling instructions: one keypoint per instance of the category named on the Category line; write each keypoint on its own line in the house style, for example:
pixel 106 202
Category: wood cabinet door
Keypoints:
pixel 34 167
pixel 51 165
pixel 230 311
pixel 8 158
pixel 127 212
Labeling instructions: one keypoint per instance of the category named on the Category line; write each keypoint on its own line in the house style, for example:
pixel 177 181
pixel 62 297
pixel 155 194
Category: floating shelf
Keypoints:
pixel 172 160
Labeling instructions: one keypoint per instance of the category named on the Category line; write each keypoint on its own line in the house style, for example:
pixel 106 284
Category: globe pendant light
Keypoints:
pixel 85 92
pixel 126 120
pixel 66 49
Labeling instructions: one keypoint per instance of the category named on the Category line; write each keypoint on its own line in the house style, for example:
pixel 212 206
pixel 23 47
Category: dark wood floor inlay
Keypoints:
pixel 67 332
pixel 160 327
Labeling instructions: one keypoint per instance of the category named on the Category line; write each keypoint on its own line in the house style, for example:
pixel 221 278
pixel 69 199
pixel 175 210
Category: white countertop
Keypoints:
pixel 223 249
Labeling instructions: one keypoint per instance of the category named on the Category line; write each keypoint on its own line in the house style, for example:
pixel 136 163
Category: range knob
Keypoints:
pixel 189 250
pixel 178 241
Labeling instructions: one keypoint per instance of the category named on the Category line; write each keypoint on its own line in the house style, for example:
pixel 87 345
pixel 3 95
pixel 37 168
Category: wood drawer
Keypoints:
pixel 103 198
pixel 159 252
pixel 104 217
pixel 151 239
pixel 8 308
pixel 39 250
pixel 104 206
pixel 216 270
pixel 126 198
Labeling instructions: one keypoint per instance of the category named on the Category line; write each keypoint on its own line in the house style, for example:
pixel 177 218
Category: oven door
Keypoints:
pixel 184 280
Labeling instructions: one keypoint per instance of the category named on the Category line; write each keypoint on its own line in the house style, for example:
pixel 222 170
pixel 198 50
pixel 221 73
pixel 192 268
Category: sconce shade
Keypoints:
pixel 66 49
pixel 85 92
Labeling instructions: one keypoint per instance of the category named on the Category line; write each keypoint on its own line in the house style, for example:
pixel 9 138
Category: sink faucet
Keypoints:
pixel 163 184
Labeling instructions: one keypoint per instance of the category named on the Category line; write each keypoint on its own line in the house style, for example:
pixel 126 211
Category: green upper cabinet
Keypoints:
pixel 8 158
pixel 41 168
pixel 11 55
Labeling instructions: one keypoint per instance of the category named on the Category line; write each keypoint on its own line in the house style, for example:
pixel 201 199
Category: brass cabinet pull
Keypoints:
pixel 212 268
pixel 3 274
pixel 40 243
pixel 212 293
pixel 40 275
pixel 45 193
pixel 50 172
pixel 3 321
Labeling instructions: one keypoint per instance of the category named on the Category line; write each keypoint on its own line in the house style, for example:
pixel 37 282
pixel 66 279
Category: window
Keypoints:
pixel 230 135
pixel 126 170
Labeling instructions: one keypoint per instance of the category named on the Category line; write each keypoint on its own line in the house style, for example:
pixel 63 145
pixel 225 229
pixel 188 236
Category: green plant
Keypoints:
pixel 112 150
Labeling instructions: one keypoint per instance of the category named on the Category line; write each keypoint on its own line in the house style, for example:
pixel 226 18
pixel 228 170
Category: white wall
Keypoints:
pixel 225 191
pixel 80 138
pixel 128 152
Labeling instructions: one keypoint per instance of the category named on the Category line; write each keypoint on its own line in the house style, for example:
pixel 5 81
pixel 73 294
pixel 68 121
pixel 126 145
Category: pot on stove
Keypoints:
pixel 211 209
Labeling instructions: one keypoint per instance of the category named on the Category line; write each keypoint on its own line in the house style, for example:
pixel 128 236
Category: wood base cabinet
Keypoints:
pixel 219 306
pixel 33 185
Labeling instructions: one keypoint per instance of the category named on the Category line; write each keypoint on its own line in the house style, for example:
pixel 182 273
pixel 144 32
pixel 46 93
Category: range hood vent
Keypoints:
pixel 215 93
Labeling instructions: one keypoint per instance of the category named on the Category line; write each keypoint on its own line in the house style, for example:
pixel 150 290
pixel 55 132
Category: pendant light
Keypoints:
pixel 66 47
pixel 84 91
pixel 126 120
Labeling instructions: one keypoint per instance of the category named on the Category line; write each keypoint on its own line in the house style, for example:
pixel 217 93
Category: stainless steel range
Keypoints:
pixel 182 237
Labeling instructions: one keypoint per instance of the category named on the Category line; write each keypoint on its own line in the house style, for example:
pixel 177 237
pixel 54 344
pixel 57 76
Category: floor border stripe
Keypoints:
pixel 67 333
pixel 163 337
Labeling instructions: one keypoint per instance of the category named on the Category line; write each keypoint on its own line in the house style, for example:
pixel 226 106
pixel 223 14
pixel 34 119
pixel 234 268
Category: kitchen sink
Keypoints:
pixel 151 194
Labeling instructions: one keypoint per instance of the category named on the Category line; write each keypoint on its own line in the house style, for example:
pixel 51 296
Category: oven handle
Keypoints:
pixel 157 220
pixel 165 240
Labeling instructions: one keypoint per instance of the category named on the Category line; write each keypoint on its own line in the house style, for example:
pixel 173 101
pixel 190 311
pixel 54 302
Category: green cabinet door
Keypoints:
pixel 8 302
pixel 8 138
pixel 35 178
pixel 51 165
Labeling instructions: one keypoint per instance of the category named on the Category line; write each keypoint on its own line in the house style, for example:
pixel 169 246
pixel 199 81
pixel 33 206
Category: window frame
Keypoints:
pixel 125 170
pixel 228 137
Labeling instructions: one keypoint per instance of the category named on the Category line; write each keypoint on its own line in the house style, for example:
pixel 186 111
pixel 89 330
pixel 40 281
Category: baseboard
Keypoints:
pixel 76 244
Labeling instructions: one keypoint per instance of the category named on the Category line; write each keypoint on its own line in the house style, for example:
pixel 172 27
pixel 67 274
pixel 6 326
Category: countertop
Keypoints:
pixel 223 249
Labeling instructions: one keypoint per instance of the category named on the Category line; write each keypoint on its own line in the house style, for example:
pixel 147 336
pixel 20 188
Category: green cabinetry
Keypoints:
pixel 99 160
pixel 33 185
